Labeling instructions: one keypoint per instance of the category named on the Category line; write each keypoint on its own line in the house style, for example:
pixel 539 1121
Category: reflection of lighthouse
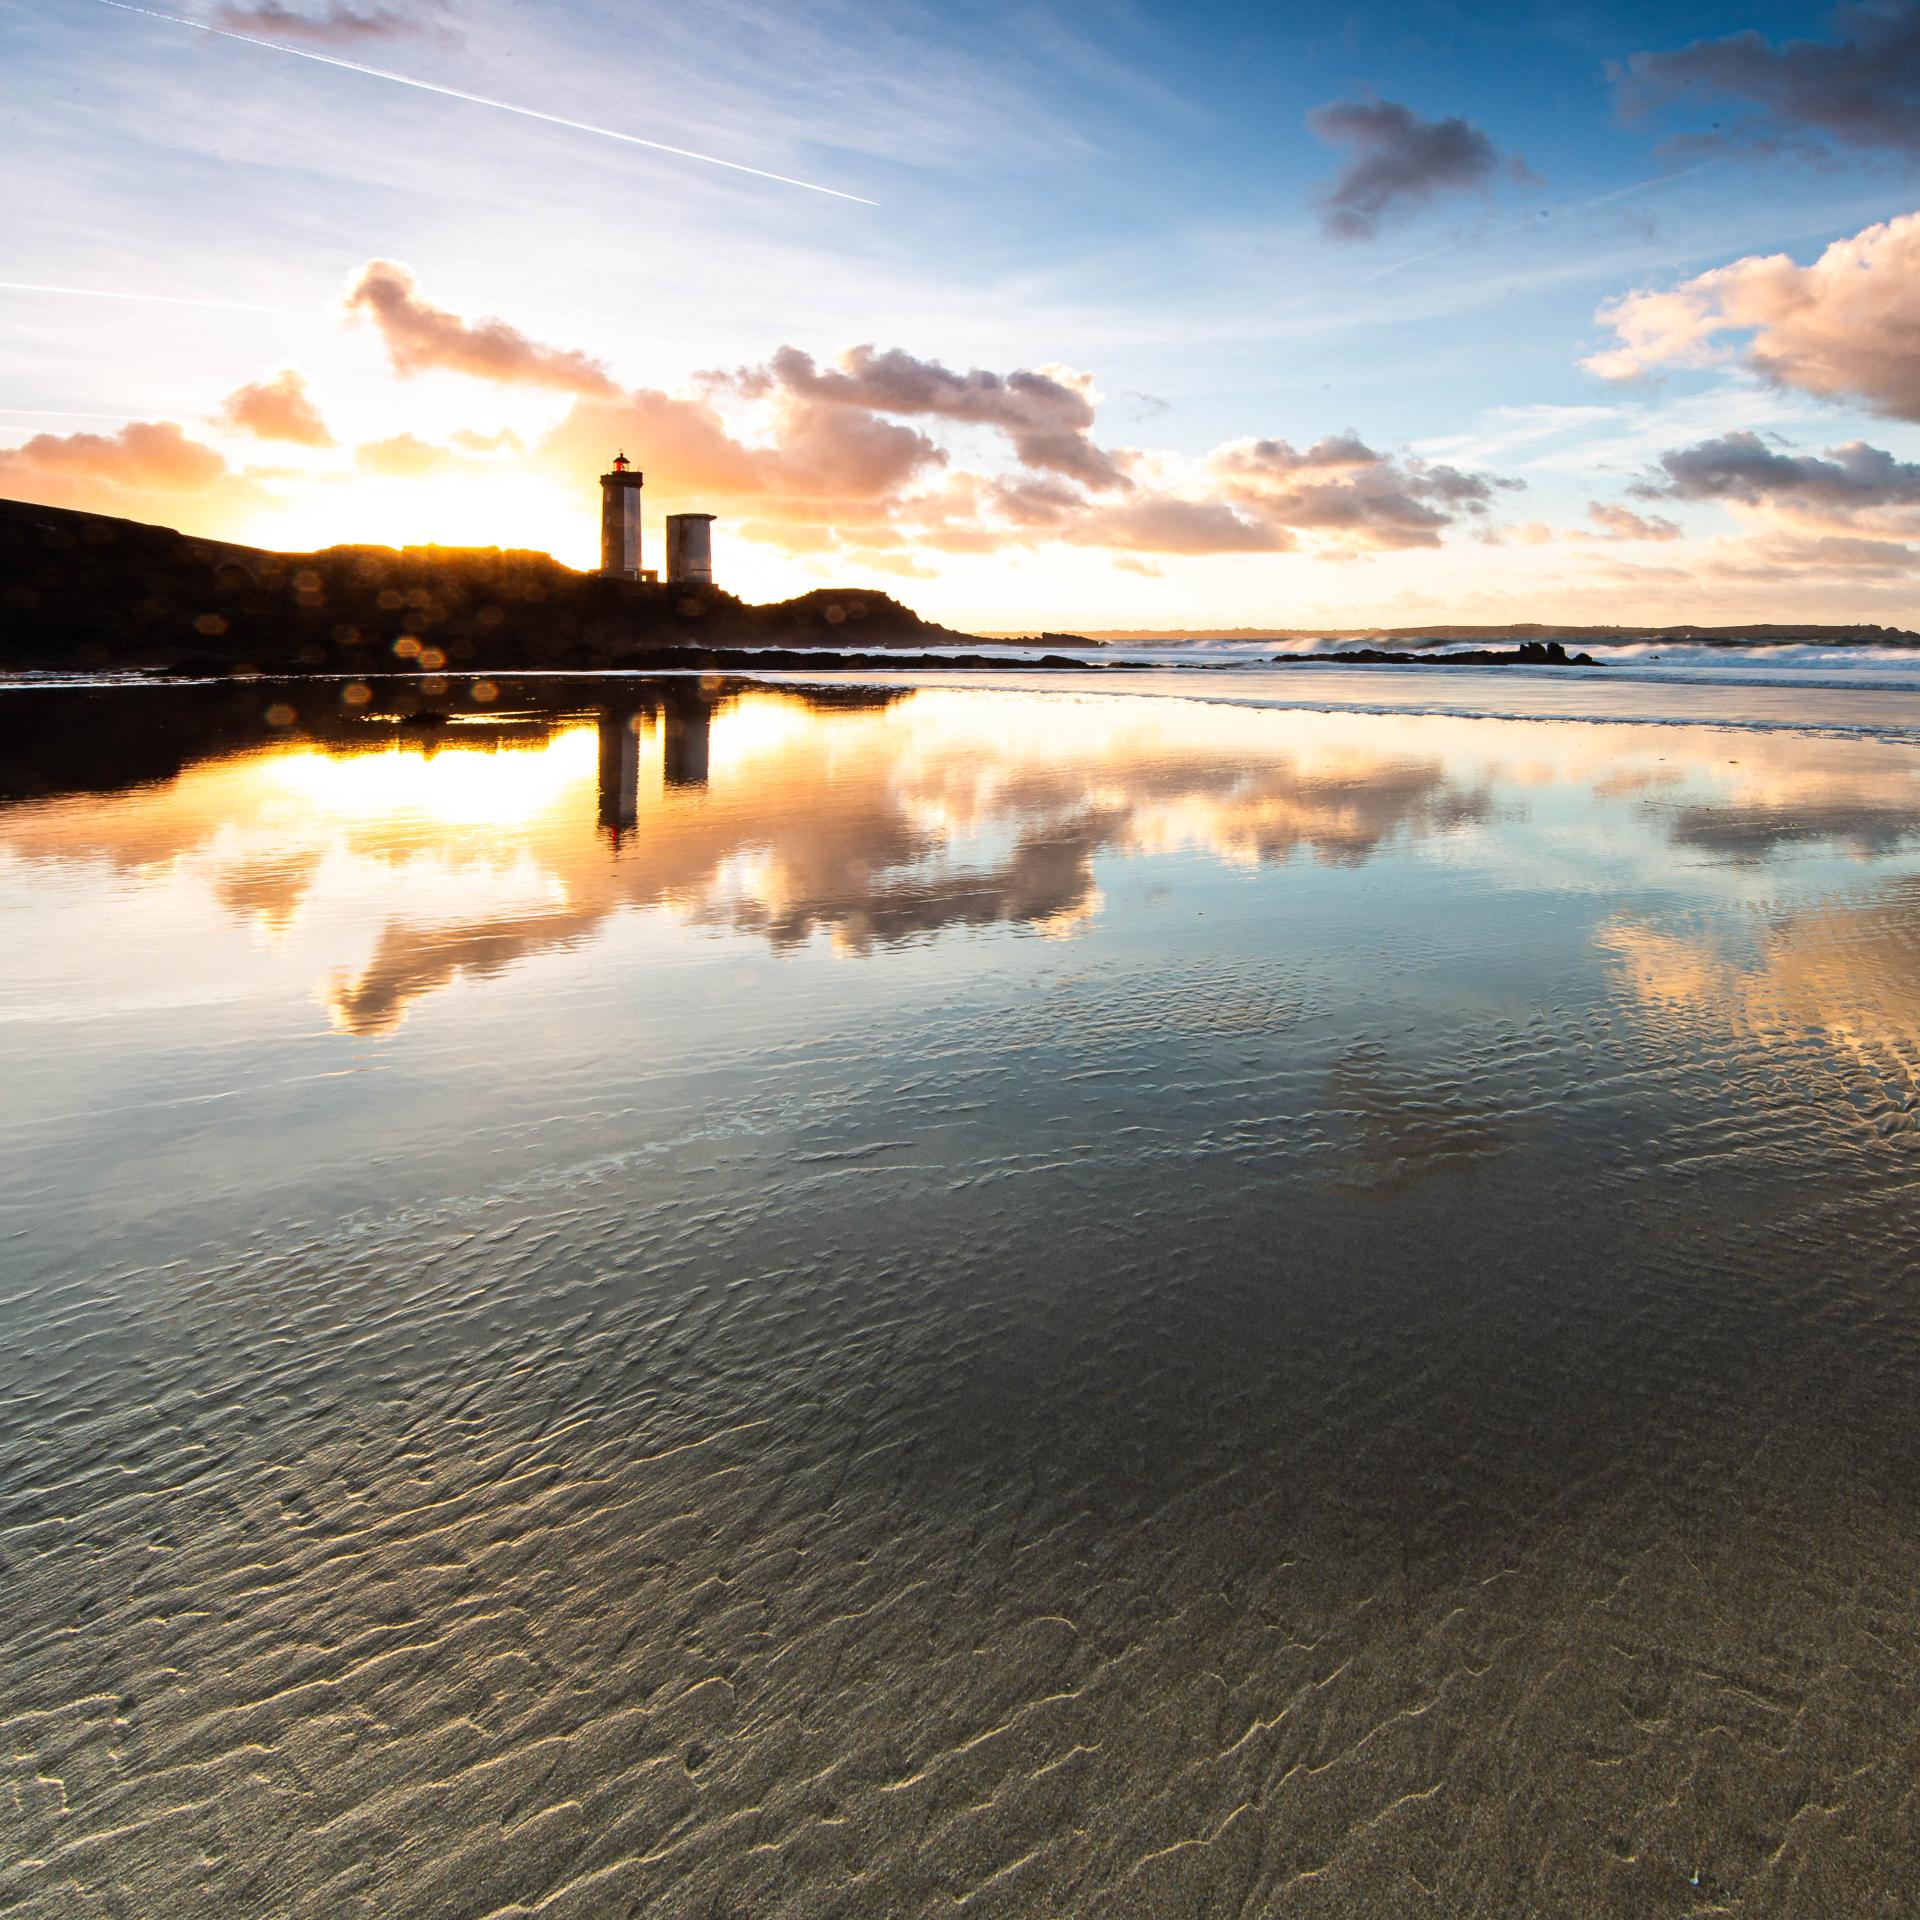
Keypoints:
pixel 620 520
pixel 687 726
pixel 619 769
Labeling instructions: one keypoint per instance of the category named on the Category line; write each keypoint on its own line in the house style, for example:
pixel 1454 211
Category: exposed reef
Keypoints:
pixel 1529 653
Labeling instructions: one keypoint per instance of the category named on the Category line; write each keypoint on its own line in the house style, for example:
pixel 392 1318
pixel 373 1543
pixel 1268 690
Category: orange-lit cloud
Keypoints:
pixel 423 338
pixel 1340 487
pixel 1608 524
pixel 861 459
pixel 1047 415
pixel 148 456
pixel 828 461
pixel 405 456
pixel 149 470
pixel 278 407
pixel 1611 522
pixel 1843 328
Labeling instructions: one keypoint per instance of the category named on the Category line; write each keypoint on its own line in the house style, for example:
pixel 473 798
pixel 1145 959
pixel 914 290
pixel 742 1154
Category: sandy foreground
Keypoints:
pixel 1178 1423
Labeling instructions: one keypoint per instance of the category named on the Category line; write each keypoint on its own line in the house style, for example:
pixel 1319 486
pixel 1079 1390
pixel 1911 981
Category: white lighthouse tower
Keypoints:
pixel 620 520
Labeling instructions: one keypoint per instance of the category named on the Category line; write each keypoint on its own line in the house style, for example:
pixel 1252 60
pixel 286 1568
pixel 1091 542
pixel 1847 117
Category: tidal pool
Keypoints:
pixel 696 1297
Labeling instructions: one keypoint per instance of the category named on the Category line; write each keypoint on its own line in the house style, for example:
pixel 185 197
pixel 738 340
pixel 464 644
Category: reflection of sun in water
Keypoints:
pixel 749 877
pixel 758 725
pixel 454 785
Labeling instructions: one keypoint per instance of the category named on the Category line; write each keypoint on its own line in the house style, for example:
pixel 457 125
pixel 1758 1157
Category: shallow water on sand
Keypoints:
pixel 687 1298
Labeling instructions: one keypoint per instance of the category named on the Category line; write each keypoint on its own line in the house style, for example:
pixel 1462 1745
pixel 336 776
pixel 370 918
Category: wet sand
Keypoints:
pixel 1130 1313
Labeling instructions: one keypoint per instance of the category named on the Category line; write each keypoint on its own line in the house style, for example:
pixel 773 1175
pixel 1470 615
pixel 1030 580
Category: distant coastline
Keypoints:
pixel 1755 633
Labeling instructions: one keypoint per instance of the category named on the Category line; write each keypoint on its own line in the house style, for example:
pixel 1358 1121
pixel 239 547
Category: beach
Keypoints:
pixel 1225 1295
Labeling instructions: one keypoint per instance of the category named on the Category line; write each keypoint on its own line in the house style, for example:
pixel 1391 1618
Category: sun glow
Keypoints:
pixel 496 508
pixel 453 785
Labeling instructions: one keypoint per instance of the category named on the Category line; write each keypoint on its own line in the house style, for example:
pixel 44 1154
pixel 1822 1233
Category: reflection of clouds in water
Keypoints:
pixel 875 824
pixel 1859 797
pixel 411 960
pixel 1046 882
pixel 850 829
pixel 1848 974
pixel 270 891
pixel 1343 818
pixel 871 826
pixel 1746 835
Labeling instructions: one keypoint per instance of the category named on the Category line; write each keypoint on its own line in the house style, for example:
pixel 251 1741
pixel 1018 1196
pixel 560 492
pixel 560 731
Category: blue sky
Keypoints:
pixel 1131 202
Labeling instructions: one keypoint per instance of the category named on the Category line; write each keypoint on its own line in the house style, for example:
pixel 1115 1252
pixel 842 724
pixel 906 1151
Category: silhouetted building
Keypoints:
pixel 620 521
pixel 687 728
pixel 619 769
pixel 690 549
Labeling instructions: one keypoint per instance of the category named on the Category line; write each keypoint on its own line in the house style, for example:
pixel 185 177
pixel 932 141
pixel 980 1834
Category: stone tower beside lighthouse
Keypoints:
pixel 690 549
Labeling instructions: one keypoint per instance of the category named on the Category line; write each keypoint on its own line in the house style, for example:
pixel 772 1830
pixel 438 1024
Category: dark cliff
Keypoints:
pixel 84 591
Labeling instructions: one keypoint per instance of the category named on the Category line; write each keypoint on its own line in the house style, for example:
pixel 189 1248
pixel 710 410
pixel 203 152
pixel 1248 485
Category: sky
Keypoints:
pixel 1093 315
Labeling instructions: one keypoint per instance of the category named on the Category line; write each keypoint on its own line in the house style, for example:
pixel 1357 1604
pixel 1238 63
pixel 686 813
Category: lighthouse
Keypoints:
pixel 620 520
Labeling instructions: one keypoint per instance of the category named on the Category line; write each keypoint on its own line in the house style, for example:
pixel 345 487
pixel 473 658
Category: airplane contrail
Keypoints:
pixel 481 100
pixel 114 293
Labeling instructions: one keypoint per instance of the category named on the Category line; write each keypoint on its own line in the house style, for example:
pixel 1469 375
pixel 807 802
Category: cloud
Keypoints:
pixel 1829 554
pixel 1845 328
pixel 828 467
pixel 1609 523
pixel 149 470
pixel 1167 523
pixel 1524 533
pixel 1862 90
pixel 331 26
pixel 1399 162
pixel 404 456
pixel 835 475
pixel 1850 511
pixel 423 338
pixel 1340 487
pixel 147 456
pixel 1622 523
pixel 504 441
pixel 842 458
pixel 1046 415
pixel 1742 466
pixel 276 408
